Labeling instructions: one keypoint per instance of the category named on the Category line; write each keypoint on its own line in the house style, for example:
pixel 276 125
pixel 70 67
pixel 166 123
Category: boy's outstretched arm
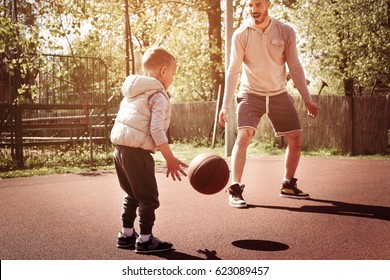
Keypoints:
pixel 174 165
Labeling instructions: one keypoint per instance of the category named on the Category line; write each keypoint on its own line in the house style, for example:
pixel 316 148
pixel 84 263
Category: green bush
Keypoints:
pixel 44 160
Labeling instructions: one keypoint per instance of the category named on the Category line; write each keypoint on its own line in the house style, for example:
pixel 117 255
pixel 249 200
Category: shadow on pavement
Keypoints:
pixel 175 255
pixel 95 173
pixel 260 245
pixel 338 208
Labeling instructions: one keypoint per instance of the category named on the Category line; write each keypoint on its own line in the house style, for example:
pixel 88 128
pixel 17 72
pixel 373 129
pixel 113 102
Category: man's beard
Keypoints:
pixel 259 18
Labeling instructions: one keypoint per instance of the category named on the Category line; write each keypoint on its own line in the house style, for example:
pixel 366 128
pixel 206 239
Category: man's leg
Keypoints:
pixel 238 161
pixel 244 137
pixel 293 153
pixel 250 109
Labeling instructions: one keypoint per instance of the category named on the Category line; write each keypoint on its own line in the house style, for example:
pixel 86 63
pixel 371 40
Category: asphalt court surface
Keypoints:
pixel 77 216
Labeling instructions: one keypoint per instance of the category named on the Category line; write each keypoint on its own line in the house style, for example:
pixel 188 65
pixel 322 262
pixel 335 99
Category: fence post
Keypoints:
pixel 18 136
pixel 18 144
pixel 230 126
pixel 353 125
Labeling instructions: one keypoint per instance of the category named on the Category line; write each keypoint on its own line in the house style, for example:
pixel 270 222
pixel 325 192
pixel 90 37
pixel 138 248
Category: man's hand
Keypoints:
pixel 312 109
pixel 223 116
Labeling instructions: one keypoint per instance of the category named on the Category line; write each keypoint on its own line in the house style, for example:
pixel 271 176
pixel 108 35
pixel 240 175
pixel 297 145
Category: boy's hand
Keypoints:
pixel 174 168
pixel 174 165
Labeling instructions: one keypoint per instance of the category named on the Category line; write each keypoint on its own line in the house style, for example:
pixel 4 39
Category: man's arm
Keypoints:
pixel 298 75
pixel 232 75
pixel 296 70
pixel 233 71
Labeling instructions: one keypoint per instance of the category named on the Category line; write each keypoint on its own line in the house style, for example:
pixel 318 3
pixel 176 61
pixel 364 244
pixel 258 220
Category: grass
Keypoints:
pixel 187 151
pixel 77 158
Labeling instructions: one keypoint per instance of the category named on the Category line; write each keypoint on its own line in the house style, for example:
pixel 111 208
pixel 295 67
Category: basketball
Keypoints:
pixel 208 173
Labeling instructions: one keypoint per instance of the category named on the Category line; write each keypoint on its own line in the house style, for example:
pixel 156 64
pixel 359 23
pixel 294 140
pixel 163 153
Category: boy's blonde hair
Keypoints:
pixel 155 58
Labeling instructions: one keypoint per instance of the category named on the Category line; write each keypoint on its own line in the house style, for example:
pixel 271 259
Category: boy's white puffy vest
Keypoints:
pixel 132 124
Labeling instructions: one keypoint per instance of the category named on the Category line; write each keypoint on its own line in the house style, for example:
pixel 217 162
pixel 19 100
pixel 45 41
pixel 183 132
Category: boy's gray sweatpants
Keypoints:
pixel 136 175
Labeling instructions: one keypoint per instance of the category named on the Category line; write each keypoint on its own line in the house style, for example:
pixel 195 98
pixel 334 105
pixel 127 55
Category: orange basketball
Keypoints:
pixel 208 173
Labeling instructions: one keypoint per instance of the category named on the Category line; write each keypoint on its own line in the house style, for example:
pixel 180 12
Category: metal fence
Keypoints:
pixel 63 100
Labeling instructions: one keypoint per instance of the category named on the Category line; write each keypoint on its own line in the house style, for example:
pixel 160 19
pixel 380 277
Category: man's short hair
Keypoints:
pixel 156 57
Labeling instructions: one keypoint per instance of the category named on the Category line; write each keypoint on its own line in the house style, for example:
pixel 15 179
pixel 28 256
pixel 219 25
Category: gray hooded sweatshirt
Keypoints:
pixel 262 57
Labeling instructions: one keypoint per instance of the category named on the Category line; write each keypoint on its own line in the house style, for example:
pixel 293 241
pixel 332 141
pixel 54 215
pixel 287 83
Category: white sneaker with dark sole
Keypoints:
pixel 126 241
pixel 153 245
pixel 235 196
pixel 290 190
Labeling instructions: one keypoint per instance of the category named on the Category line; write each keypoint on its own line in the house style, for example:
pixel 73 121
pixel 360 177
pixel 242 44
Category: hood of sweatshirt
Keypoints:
pixel 135 85
pixel 249 23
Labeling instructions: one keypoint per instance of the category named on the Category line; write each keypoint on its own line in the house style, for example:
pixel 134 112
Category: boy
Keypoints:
pixel 139 130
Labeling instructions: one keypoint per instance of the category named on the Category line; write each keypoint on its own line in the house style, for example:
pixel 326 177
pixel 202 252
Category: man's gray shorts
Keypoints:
pixel 279 108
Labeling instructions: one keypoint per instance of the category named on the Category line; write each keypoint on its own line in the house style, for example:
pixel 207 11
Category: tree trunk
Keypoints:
pixel 214 14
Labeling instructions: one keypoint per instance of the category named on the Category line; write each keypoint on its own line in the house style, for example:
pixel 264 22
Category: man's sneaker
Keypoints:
pixel 126 241
pixel 235 196
pixel 290 190
pixel 153 245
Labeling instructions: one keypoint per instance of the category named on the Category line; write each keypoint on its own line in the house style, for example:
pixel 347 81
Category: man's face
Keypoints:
pixel 258 10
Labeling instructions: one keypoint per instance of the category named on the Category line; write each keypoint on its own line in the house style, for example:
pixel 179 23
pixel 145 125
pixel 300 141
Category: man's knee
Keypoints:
pixel 294 139
pixel 244 136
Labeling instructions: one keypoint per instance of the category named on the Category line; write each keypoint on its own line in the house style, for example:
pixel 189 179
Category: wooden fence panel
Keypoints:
pixel 370 125
pixel 352 126
pixel 332 128
pixel 191 120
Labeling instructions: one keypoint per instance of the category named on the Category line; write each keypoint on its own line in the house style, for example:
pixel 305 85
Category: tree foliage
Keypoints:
pixel 191 30
pixel 345 43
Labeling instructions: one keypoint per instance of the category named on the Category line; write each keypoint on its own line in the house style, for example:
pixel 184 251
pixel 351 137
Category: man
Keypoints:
pixel 261 47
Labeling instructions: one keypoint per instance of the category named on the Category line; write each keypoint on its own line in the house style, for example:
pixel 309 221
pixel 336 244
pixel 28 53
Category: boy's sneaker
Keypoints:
pixel 126 241
pixel 235 196
pixel 153 245
pixel 290 190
